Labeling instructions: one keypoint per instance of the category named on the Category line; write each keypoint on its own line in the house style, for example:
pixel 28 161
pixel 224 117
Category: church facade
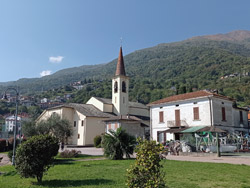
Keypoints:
pixel 99 115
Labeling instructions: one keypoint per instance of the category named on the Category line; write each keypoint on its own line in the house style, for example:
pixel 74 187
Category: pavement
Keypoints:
pixel 241 160
pixel 237 159
pixel 5 159
pixel 87 150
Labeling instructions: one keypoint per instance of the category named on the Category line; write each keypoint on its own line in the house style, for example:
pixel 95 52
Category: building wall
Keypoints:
pixel 98 104
pixel 108 108
pixel 186 115
pixel 133 129
pixel 236 118
pixel 217 105
pixel 232 115
pixel 120 99
pixel 94 126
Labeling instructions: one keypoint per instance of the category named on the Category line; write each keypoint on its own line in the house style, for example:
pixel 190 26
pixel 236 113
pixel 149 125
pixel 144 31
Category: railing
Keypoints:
pixel 176 123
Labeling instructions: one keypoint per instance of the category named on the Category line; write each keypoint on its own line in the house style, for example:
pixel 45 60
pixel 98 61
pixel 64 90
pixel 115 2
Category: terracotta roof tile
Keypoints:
pixel 196 94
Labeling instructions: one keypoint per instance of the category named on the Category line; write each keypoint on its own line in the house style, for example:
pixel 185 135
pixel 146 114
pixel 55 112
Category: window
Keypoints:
pixel 161 137
pixel 82 123
pixel 223 113
pixel 196 113
pixel 177 105
pixel 116 87
pixel 78 136
pixel 241 117
pixel 74 123
pixel 123 87
pixel 161 118
pixel 116 126
pixel 109 126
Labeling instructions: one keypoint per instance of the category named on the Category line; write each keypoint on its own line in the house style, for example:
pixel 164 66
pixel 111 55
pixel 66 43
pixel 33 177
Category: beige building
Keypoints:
pixel 99 115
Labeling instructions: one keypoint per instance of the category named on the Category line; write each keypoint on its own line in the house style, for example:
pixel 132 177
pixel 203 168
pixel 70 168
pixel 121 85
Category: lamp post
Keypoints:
pixel 15 127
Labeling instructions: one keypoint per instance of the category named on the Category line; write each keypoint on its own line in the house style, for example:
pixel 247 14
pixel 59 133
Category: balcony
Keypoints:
pixel 174 123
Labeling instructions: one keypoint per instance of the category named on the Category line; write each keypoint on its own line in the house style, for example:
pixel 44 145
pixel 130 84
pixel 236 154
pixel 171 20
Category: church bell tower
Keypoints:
pixel 120 87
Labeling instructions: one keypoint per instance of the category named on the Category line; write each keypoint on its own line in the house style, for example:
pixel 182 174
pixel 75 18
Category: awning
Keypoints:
pixel 174 130
pixel 212 129
pixel 193 129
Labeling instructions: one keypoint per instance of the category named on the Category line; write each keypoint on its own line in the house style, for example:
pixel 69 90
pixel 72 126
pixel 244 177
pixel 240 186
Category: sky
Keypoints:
pixel 40 37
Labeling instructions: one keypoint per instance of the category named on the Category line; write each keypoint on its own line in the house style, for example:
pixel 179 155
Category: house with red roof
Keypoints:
pixel 171 115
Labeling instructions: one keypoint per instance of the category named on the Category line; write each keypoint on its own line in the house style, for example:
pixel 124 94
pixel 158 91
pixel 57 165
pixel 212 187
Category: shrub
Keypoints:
pixel 146 172
pixel 69 154
pixel 3 146
pixel 98 141
pixel 35 156
pixel 117 143
pixel 10 154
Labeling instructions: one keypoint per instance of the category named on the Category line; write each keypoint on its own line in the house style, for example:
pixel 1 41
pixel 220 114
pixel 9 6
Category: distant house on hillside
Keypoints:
pixel 100 115
pixel 171 115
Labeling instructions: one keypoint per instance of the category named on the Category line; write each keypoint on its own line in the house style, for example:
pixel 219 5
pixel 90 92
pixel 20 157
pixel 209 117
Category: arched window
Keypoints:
pixel 116 87
pixel 123 87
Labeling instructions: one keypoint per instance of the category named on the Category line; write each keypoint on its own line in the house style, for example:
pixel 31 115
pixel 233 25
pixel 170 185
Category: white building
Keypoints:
pixel 200 108
pixel 99 115
pixel 10 123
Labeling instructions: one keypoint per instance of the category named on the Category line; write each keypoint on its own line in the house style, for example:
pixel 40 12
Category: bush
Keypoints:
pixel 10 154
pixel 3 146
pixel 98 141
pixel 117 143
pixel 146 172
pixel 69 154
pixel 35 156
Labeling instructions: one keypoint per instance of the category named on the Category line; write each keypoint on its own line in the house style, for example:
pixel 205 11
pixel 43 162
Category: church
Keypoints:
pixel 99 115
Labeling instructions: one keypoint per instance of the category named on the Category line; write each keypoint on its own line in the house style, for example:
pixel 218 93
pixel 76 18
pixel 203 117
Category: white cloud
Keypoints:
pixel 57 59
pixel 45 73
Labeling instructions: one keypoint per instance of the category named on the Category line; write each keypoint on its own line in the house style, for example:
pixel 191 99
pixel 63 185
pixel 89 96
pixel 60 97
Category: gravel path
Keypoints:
pixel 5 159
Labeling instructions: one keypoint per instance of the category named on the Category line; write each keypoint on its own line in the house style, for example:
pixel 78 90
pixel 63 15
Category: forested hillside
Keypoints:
pixel 219 62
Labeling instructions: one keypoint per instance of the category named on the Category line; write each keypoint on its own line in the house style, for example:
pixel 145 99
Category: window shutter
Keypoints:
pixel 161 119
pixel 223 114
pixel 196 113
pixel 241 117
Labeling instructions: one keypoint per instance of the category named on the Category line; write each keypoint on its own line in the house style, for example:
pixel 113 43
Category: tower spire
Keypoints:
pixel 120 68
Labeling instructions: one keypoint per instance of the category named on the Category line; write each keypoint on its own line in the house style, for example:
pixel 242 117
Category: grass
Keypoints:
pixel 80 156
pixel 111 174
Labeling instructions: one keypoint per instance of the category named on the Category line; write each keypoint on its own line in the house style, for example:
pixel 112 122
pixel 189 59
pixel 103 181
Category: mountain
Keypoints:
pixel 219 62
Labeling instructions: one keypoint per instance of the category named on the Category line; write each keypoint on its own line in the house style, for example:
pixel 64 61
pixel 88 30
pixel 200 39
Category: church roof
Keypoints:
pixel 131 104
pixel 86 109
pixel 120 68
pixel 104 100
pixel 137 105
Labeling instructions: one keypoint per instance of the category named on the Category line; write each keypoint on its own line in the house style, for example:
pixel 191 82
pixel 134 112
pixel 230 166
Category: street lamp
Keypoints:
pixel 15 127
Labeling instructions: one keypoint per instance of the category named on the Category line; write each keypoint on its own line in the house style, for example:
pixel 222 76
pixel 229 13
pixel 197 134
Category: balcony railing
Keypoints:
pixel 177 123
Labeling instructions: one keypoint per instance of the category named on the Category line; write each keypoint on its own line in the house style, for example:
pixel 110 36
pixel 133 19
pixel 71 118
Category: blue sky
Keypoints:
pixel 39 37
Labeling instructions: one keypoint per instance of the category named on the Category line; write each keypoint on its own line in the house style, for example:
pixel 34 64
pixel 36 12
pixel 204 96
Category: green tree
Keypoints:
pixel 34 111
pixel 117 143
pixel 146 172
pixel 35 156
pixel 54 125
